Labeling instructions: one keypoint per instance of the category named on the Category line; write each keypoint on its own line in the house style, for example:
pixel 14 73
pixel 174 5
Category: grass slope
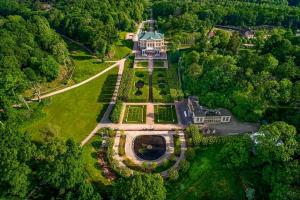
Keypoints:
pixel 85 64
pixel 74 114
pixel 121 48
pixel 91 165
pixel 206 179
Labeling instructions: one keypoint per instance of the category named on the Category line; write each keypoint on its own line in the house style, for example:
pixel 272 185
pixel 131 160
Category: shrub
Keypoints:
pixel 122 145
pixel 124 89
pixel 116 113
pixel 173 175
pixel 194 133
pixel 184 166
pixel 190 154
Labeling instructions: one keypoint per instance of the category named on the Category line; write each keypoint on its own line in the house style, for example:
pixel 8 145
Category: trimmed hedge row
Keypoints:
pixel 126 82
pixel 116 113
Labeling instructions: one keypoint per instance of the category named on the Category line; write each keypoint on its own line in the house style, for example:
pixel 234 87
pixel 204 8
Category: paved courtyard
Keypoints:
pixel 231 128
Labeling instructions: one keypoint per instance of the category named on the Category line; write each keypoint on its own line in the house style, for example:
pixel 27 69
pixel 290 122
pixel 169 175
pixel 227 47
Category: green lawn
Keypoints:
pixel 74 114
pixel 174 81
pixel 91 165
pixel 143 64
pixel 206 179
pixel 161 88
pixel 135 114
pixel 141 94
pixel 121 48
pixel 85 64
pixel 165 114
pixel 158 63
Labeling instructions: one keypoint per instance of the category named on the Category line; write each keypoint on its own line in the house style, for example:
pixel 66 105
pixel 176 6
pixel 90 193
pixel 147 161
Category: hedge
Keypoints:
pixel 116 113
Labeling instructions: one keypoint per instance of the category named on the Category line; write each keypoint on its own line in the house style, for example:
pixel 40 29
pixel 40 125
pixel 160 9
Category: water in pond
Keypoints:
pixel 149 147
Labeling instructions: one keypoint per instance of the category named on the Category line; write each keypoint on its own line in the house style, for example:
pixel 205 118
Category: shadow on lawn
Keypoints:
pixel 107 89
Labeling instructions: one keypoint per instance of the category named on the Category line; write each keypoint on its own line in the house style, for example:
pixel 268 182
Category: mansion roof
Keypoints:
pixel 151 36
pixel 201 111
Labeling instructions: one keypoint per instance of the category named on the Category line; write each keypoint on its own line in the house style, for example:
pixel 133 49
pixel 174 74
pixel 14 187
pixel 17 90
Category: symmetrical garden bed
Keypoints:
pixel 135 114
pixel 161 88
pixel 159 63
pixel 165 114
pixel 141 64
pixel 140 86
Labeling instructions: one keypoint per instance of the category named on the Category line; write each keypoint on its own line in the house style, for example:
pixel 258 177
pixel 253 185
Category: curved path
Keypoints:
pixel 105 118
pixel 78 84
pixel 180 158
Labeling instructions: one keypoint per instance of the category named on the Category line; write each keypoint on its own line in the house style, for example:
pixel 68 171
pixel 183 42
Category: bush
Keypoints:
pixel 173 175
pixel 124 89
pixel 184 166
pixel 122 145
pixel 194 132
pixel 116 113
pixel 190 154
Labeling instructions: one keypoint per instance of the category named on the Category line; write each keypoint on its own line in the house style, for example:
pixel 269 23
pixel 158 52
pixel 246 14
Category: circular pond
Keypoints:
pixel 149 147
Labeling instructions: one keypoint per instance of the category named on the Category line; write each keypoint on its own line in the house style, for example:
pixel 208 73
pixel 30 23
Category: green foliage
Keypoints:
pixel 236 154
pixel 184 166
pixel 16 151
pixel 126 81
pixel 278 142
pixel 173 175
pixel 141 186
pixel 116 113
pixel 194 132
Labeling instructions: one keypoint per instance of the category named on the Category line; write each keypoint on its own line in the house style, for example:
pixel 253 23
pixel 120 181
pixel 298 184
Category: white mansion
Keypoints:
pixel 151 43
pixel 203 115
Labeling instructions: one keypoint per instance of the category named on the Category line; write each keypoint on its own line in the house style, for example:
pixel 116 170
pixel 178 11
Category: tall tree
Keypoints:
pixel 141 186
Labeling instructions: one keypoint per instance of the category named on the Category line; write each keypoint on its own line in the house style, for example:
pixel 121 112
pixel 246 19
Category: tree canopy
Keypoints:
pixel 140 186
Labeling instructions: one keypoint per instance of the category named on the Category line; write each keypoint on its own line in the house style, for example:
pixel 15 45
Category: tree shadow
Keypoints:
pixel 81 57
pixel 102 111
pixel 107 89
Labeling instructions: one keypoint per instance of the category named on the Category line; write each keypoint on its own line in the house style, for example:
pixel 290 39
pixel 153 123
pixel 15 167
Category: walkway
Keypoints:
pixel 180 158
pixel 105 118
pixel 78 84
pixel 129 152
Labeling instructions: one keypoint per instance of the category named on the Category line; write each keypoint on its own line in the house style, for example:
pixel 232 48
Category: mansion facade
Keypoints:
pixel 201 115
pixel 151 43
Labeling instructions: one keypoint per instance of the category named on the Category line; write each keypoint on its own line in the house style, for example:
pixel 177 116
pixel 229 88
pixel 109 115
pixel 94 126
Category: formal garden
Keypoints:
pixel 135 114
pixel 141 64
pixel 159 63
pixel 161 88
pixel 140 86
pixel 165 114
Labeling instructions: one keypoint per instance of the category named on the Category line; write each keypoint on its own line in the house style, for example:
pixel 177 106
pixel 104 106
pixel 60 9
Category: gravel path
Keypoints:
pixel 78 84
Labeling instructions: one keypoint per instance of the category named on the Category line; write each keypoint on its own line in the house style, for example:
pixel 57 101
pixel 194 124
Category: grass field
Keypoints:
pixel 85 65
pixel 158 63
pixel 206 179
pixel 141 94
pixel 161 88
pixel 91 165
pixel 142 64
pixel 75 113
pixel 135 115
pixel 165 114
pixel 121 48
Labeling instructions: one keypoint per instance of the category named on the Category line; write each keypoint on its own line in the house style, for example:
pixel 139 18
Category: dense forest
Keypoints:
pixel 260 83
pixel 32 51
